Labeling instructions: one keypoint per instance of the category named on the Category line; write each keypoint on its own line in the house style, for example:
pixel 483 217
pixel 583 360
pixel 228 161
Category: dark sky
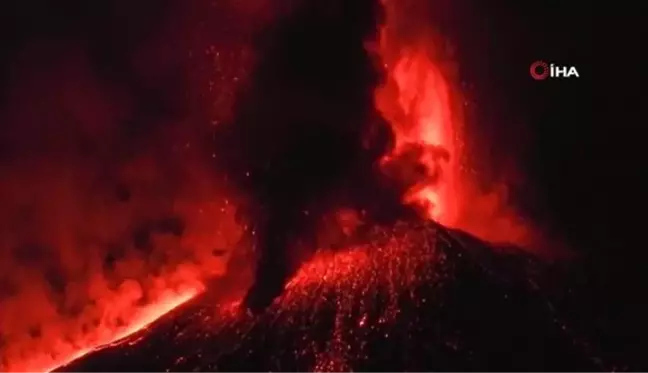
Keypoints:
pixel 572 158
pixel 581 156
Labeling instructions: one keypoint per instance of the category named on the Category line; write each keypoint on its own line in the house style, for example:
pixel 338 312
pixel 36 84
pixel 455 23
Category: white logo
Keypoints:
pixel 541 70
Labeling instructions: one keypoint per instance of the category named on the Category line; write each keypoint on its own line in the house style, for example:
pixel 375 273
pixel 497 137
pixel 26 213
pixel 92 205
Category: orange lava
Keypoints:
pixel 421 101
pixel 106 335
pixel 417 102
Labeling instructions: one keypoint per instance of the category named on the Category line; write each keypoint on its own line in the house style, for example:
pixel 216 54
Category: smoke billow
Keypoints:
pixel 306 135
pixel 109 202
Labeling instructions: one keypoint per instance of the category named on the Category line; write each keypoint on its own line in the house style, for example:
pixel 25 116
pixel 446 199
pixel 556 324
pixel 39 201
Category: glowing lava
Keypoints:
pixel 417 102
pixel 424 106
pixel 106 335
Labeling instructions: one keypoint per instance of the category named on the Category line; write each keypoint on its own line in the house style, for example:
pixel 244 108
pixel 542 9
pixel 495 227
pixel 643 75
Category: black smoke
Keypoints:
pixel 306 135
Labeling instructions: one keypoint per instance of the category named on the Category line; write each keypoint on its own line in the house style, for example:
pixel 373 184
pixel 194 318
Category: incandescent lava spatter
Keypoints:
pixel 413 297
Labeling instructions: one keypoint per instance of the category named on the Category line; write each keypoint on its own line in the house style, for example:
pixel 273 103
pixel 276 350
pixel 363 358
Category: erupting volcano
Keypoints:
pixel 319 212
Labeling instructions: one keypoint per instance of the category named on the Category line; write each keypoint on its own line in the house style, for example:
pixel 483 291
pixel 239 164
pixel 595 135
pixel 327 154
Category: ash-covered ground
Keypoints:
pixel 415 297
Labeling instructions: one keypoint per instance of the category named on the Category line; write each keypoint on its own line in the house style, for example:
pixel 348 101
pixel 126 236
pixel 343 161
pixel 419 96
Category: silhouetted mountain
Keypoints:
pixel 416 297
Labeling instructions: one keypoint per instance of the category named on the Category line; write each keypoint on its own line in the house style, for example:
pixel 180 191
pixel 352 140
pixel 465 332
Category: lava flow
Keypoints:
pixel 114 336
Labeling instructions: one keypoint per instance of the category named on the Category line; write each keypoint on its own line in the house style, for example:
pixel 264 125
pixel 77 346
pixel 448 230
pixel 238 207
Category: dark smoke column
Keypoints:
pixel 295 146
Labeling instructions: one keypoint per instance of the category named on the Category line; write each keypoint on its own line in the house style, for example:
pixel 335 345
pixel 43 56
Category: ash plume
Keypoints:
pixel 306 135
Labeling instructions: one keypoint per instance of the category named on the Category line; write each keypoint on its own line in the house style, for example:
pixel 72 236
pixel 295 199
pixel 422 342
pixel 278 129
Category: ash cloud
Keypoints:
pixel 306 136
pixel 108 196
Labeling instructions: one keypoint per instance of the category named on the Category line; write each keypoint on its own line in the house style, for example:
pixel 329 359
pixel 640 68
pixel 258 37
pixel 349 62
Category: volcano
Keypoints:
pixel 298 185
pixel 414 296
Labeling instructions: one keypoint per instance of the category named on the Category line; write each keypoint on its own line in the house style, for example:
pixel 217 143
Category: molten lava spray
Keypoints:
pixel 424 107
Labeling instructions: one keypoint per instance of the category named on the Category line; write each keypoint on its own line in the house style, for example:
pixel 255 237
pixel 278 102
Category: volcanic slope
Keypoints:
pixel 414 297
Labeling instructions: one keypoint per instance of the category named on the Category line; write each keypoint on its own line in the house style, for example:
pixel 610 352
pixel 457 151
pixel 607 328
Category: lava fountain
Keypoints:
pixel 421 118
pixel 424 106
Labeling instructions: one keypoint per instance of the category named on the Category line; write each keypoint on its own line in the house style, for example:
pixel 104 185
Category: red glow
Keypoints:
pixel 421 101
pixel 418 102
pixel 72 275
pixel 106 334
pixel 44 329
pixel 422 115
